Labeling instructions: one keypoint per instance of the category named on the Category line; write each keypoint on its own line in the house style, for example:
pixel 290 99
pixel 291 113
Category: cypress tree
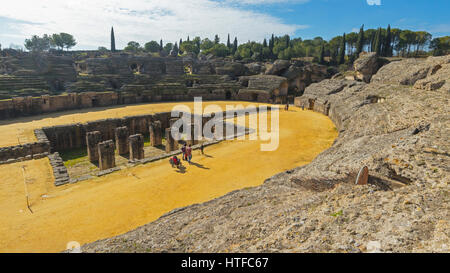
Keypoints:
pixel 360 44
pixel 271 43
pixel 322 54
pixel 387 43
pixel 188 39
pixel 265 42
pixel 228 41
pixel 179 49
pixel 288 41
pixel 175 48
pixel 113 40
pixel 235 45
pixel 378 42
pixel 342 51
pixel 161 45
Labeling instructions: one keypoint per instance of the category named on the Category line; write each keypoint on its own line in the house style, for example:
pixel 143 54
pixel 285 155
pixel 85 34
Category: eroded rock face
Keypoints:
pixel 409 71
pixel 278 67
pixel 366 65
pixel 400 133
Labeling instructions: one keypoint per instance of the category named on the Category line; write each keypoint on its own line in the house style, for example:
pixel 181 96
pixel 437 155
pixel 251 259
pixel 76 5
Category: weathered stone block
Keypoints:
pixel 171 144
pixel 155 133
pixel 92 140
pixel 122 135
pixel 106 156
pixel 136 147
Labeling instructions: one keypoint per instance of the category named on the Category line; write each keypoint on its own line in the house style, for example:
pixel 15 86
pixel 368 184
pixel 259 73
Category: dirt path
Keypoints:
pixel 122 201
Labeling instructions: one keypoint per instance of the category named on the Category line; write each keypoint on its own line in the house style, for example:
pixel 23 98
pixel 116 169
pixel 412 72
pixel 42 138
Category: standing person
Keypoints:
pixel 189 153
pixel 201 148
pixel 183 150
pixel 287 106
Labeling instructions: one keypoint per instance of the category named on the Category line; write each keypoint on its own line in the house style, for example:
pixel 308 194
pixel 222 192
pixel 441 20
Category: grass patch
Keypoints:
pixel 73 157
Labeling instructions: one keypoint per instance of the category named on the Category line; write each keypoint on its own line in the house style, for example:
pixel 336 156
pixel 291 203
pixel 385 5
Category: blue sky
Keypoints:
pixel 144 20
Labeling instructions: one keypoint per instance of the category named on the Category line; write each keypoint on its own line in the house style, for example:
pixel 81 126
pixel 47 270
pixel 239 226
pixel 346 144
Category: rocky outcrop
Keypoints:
pixel 400 133
pixel 263 88
pixel 366 65
pixel 409 71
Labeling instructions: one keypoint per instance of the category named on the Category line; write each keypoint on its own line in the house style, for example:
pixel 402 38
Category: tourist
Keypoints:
pixel 183 150
pixel 287 107
pixel 201 148
pixel 174 161
pixel 189 153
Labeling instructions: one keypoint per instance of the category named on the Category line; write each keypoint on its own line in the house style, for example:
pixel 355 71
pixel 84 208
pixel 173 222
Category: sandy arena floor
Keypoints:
pixel 117 203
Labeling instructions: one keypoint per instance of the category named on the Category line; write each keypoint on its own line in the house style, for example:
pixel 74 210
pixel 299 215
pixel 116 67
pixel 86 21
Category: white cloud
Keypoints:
pixel 142 20
pixel 374 2
pixel 264 2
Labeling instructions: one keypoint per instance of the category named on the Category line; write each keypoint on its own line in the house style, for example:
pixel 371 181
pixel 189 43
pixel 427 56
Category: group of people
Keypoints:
pixel 187 155
pixel 187 152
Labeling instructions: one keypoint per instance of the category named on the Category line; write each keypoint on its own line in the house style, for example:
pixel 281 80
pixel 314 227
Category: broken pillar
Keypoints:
pixel 136 147
pixel 106 158
pixel 155 133
pixel 92 140
pixel 122 135
pixel 171 144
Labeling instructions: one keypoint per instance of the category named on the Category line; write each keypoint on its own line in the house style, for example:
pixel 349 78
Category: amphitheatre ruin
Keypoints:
pixel 90 164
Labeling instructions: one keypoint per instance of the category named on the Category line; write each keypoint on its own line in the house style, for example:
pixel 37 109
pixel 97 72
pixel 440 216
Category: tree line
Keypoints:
pixel 338 50
pixel 47 42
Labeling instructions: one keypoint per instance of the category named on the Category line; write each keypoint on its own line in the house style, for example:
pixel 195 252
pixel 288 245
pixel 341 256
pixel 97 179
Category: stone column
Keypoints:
pixel 136 147
pixel 155 133
pixel 171 144
pixel 106 159
pixel 122 140
pixel 193 139
pixel 92 140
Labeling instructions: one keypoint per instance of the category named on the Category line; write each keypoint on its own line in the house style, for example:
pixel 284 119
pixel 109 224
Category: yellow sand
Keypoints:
pixel 117 203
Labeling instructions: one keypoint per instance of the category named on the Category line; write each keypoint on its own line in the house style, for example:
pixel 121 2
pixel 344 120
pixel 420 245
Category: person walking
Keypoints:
pixel 189 153
pixel 183 150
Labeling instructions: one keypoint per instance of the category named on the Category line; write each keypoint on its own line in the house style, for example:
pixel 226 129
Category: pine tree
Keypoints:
pixel 387 43
pixel 378 42
pixel 360 43
pixel 228 42
pixel 322 54
pixel 342 51
pixel 216 39
pixel 235 45
pixel 113 40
